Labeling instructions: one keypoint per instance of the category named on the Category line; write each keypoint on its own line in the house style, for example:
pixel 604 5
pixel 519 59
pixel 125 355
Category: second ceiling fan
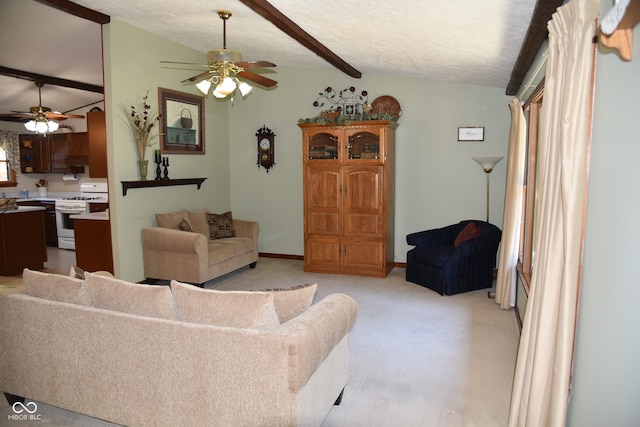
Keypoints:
pixel 224 67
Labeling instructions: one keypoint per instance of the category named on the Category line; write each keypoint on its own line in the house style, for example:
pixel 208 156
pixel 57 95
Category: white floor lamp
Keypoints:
pixel 487 164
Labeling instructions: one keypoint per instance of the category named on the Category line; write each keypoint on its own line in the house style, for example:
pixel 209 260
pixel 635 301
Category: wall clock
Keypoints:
pixel 266 150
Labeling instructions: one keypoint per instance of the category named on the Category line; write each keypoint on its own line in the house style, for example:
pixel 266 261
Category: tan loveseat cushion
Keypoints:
pixel 55 287
pixel 133 298
pixel 237 309
pixel 172 220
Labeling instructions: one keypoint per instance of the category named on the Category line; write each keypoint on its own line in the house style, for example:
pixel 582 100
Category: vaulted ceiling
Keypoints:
pixel 488 43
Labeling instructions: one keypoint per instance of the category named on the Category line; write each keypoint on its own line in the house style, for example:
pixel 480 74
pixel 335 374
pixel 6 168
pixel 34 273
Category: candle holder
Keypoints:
pixel 158 161
pixel 165 163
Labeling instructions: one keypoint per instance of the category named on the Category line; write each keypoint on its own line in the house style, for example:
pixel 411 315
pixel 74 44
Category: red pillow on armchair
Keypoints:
pixel 470 231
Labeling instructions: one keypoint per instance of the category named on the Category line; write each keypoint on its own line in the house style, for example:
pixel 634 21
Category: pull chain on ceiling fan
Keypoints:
pixel 224 68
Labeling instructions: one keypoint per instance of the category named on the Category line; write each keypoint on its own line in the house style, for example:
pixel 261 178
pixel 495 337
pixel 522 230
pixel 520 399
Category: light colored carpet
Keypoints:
pixel 416 358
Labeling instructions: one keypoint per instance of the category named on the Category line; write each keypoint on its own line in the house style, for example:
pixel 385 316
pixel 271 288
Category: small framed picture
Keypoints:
pixel 471 133
pixel 181 122
pixel 349 109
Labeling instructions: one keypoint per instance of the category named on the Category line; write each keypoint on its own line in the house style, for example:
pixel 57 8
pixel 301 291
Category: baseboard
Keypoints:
pixel 301 258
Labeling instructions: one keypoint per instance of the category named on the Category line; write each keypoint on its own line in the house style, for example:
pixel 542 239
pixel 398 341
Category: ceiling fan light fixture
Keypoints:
pixel 245 88
pixel 225 88
pixel 204 86
pixel 41 125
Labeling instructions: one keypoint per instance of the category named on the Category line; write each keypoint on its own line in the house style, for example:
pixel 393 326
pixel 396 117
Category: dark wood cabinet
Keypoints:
pixel 34 154
pixel 22 243
pixel 50 230
pixel 98 207
pixel 54 153
pixel 93 244
pixel 97 136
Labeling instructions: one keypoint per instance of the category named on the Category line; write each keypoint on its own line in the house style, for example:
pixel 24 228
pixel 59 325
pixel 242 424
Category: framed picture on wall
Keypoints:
pixel 181 122
pixel 471 133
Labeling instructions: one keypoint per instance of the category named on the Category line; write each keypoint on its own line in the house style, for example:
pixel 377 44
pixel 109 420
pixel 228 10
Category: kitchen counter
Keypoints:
pixel 95 216
pixel 22 209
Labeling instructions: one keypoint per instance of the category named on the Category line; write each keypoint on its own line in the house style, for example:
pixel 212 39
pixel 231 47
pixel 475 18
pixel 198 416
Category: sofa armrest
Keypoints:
pixel 312 335
pixel 435 237
pixel 246 228
pixel 169 240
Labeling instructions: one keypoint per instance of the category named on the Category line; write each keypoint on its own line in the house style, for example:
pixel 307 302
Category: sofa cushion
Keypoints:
pixel 223 249
pixel 290 302
pixel 55 287
pixel 236 309
pixel 220 225
pixel 78 273
pixel 433 256
pixel 198 220
pixel 171 220
pixel 470 231
pixel 133 298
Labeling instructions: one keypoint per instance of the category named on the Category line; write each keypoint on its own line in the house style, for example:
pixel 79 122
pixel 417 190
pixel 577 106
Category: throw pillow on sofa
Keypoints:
pixel 133 298
pixel 290 302
pixel 470 231
pixel 220 225
pixel 236 309
pixel 198 220
pixel 55 287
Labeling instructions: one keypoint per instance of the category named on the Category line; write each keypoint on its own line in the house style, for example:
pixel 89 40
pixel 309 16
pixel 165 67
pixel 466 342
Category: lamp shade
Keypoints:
pixel 204 86
pixel 487 163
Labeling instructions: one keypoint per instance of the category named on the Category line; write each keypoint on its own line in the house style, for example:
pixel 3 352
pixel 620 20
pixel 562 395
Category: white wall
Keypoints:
pixel 437 182
pixel 607 374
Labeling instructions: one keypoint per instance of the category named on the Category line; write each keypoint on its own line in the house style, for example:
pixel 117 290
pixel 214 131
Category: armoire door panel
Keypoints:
pixel 365 257
pixel 322 254
pixel 363 225
pixel 323 188
pixel 363 188
pixel 323 223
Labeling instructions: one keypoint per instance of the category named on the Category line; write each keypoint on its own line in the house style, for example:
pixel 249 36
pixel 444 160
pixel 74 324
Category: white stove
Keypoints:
pixel 89 193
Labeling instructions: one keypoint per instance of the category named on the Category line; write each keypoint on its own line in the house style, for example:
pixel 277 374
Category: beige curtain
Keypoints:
pixel 543 368
pixel 509 245
pixel 9 142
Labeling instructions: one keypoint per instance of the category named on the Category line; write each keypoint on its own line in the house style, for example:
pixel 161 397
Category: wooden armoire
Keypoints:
pixel 348 174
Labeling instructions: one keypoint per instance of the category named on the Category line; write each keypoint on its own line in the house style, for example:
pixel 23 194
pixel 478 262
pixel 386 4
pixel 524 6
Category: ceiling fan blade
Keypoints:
pixel 257 78
pixel 60 116
pixel 18 114
pixel 197 77
pixel 255 64
pixel 184 63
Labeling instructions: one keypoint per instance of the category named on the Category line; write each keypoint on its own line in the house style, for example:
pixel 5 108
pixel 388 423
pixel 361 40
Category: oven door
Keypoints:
pixel 64 223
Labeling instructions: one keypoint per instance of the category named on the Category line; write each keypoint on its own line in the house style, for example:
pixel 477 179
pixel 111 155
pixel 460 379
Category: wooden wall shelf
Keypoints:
pixel 161 183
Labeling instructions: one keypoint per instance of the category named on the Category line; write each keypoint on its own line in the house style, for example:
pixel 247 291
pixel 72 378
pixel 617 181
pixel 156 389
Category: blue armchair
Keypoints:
pixel 454 259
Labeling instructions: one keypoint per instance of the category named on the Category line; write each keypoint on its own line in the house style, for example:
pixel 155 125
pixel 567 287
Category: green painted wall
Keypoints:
pixel 437 182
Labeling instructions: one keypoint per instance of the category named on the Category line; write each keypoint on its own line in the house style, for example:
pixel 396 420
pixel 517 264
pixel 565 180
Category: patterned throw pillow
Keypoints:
pixel 220 225
pixel 184 225
pixel 470 231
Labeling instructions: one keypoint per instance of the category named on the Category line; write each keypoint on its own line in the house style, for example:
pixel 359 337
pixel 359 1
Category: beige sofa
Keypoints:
pixel 157 370
pixel 193 256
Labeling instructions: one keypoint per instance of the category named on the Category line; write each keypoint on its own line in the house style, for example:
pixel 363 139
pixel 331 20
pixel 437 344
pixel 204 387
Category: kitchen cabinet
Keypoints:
pixel 54 153
pixel 50 229
pixel 34 154
pixel 22 243
pixel 97 136
pixel 93 242
pixel 348 182
pixel 98 207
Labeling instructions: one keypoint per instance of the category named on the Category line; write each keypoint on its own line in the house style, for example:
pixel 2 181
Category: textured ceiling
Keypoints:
pixel 468 41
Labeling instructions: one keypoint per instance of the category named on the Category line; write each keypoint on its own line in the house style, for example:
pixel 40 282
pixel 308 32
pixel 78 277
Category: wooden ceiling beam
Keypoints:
pixel 536 35
pixel 55 81
pixel 277 18
pixel 77 10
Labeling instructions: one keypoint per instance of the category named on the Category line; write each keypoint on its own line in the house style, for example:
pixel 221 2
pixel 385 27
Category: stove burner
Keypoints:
pixel 83 198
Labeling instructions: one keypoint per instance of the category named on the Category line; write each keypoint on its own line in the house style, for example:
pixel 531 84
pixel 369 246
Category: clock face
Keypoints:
pixel 265 144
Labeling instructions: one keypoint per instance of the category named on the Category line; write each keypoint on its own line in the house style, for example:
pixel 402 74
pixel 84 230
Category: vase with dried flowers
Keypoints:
pixel 142 120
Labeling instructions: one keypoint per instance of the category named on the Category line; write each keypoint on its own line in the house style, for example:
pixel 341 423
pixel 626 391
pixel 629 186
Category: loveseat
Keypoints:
pixel 194 247
pixel 454 259
pixel 148 355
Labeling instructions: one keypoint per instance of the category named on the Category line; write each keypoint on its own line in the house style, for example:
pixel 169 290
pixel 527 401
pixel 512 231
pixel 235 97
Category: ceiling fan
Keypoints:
pixel 40 113
pixel 224 68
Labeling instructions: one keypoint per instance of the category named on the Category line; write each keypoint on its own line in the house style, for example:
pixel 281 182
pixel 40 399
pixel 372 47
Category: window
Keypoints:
pixel 526 258
pixel 7 175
